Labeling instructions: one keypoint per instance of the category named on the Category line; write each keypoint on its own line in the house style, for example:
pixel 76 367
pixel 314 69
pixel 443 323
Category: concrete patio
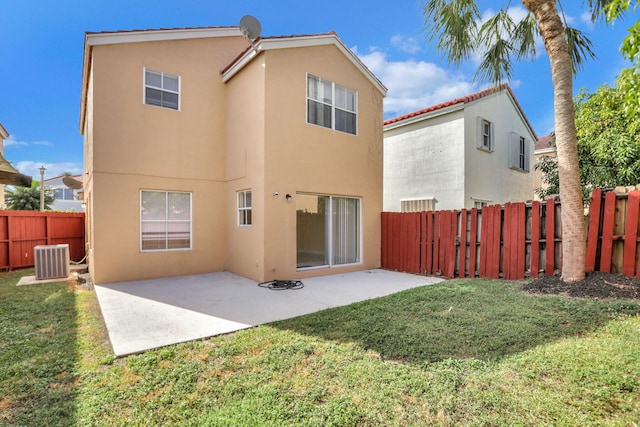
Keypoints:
pixel 142 315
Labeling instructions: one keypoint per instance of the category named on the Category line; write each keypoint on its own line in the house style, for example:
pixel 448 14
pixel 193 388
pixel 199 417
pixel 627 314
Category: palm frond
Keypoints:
pixel 580 47
pixel 524 36
pixel 453 25
pixel 495 66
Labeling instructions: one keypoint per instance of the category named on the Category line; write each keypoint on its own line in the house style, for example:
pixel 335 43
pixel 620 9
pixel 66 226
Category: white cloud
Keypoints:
pixel 585 17
pixel 405 44
pixel 414 85
pixel 13 142
pixel 32 169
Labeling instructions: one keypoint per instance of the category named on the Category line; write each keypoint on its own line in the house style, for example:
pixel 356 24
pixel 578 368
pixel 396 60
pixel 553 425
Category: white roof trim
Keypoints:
pixel 4 134
pixel 96 39
pixel 297 42
pixel 425 116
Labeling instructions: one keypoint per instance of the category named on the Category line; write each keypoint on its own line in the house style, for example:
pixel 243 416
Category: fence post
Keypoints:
pixel 631 234
pixel 550 238
pixel 535 239
pixel 594 229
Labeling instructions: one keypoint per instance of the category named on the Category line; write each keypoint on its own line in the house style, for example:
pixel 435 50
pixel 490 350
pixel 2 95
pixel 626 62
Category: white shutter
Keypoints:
pixel 514 151
pixel 527 154
pixel 479 132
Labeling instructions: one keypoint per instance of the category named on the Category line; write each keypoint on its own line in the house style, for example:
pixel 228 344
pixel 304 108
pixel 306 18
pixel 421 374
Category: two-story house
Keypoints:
pixel 468 152
pixel 65 198
pixel 204 153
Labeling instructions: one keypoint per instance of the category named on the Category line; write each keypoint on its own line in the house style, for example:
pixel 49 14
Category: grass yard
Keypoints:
pixel 460 353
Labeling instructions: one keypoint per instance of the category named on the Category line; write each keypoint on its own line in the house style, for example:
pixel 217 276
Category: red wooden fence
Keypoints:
pixel 512 241
pixel 21 231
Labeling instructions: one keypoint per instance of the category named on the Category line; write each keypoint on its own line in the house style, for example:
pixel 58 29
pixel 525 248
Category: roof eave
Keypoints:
pixel 297 42
pixel 424 116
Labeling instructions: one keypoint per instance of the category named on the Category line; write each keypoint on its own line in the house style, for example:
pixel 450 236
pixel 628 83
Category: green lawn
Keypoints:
pixel 463 352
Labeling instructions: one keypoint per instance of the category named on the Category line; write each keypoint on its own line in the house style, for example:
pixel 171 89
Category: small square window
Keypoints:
pixel 244 208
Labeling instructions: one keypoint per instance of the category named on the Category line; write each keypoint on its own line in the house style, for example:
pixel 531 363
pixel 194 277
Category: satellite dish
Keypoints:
pixel 72 183
pixel 250 28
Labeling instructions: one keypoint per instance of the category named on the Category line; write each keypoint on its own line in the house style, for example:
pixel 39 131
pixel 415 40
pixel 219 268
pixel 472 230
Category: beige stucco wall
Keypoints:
pixel 137 146
pixel 247 133
pixel 297 157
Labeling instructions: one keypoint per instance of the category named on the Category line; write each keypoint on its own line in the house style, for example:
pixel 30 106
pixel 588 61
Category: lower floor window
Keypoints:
pixel 327 230
pixel 165 220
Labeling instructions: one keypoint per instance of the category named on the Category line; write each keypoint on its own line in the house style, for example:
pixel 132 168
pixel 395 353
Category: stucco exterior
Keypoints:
pixel 434 154
pixel 242 128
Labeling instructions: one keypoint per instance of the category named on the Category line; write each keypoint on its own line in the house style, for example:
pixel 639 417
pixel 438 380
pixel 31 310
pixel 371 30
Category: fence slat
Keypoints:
pixel 462 255
pixel 631 234
pixel 430 242
pixel 550 237
pixel 473 238
pixel 593 233
pixel 450 256
pixel 520 223
pixel 535 239
pixel 607 231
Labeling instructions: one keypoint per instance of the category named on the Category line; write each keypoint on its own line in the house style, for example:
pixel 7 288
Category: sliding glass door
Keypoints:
pixel 328 230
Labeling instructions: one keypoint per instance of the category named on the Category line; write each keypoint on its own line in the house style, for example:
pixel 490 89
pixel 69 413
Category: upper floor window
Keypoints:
pixel 484 134
pixel 331 105
pixel 519 153
pixel 161 89
pixel 244 207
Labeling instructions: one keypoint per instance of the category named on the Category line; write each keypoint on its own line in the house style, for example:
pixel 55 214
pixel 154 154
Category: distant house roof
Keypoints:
pixel 464 100
pixel 3 132
pixel 261 44
pixel 545 143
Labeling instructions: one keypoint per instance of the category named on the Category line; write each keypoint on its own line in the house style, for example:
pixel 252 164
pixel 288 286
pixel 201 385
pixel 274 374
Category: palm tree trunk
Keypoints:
pixel 573 221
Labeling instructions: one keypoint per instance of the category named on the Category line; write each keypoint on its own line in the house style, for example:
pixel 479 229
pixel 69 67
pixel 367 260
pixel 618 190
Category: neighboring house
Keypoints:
pixel 545 147
pixel 468 152
pixel 204 154
pixel 65 198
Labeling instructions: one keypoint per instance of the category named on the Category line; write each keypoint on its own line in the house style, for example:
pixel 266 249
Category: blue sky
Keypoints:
pixel 41 48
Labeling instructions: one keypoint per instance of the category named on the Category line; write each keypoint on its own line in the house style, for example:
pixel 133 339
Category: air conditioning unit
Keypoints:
pixel 52 261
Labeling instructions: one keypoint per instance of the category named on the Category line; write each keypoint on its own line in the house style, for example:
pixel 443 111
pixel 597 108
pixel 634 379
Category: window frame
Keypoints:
pixel 332 104
pixel 520 153
pixel 329 232
pixel 162 74
pixel 166 221
pixel 245 220
pixel 425 204
pixel 483 124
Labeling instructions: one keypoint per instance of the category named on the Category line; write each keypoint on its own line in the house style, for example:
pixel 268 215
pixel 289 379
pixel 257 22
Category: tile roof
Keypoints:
pixel 545 142
pixel 463 100
pixel 159 29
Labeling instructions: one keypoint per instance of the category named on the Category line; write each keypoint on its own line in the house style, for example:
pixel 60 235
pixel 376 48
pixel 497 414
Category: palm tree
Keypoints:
pixel 456 26
pixel 27 198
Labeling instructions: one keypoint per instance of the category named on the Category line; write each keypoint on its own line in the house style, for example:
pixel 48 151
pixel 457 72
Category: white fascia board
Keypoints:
pixel 97 39
pixel 301 42
pixel 545 150
pixel 425 116
pixel 3 132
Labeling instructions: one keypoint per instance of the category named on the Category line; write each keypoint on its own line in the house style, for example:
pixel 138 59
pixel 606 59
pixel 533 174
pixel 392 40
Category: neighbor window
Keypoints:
pixel 479 204
pixel 161 89
pixel 63 194
pixel 327 230
pixel 519 153
pixel 165 220
pixel 418 205
pixel 331 105
pixel 244 207
pixel 484 134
